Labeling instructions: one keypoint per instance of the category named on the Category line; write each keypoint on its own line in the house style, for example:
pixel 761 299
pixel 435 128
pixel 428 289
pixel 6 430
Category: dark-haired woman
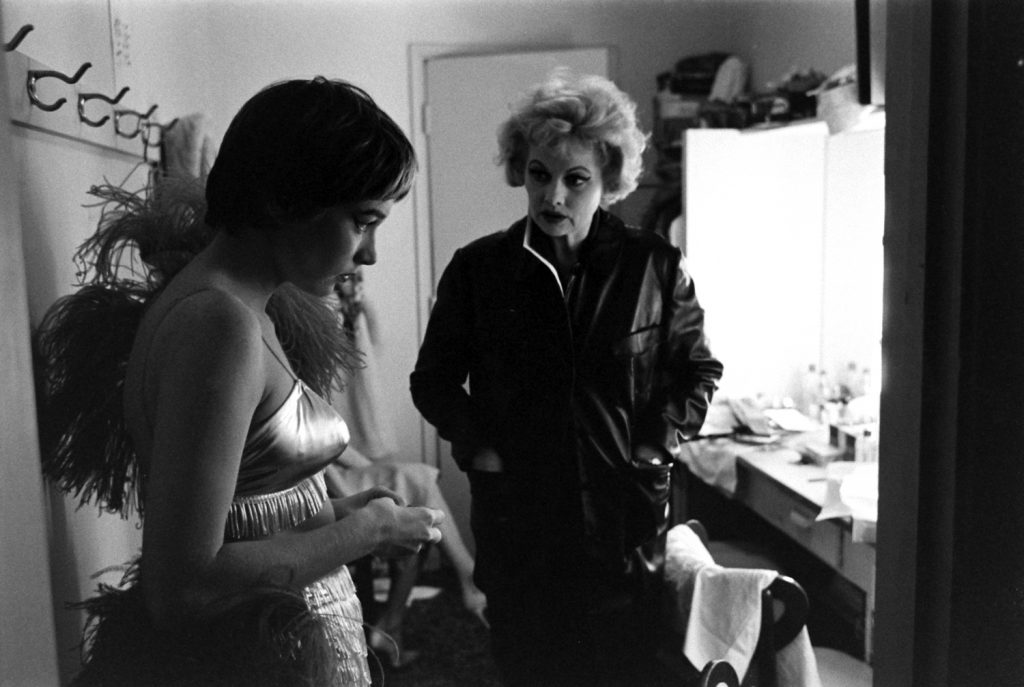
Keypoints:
pixel 230 439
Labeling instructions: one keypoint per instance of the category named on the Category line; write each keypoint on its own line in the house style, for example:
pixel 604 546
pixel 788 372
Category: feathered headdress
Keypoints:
pixel 82 345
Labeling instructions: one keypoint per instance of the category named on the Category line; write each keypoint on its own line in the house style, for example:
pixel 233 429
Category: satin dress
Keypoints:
pixel 280 485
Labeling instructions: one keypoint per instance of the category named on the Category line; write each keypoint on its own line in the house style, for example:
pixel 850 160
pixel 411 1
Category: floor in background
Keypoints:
pixel 453 644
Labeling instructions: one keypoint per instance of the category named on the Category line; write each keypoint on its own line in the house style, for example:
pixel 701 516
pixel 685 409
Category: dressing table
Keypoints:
pixel 771 484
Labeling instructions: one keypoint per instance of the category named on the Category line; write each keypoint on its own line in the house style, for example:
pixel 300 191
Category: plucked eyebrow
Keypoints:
pixel 572 170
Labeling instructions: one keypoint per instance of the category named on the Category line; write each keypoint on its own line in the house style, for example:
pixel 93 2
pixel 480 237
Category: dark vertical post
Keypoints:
pixel 988 545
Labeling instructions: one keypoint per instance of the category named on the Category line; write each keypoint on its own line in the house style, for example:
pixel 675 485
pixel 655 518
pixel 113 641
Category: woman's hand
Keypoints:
pixel 650 455
pixel 404 529
pixel 343 507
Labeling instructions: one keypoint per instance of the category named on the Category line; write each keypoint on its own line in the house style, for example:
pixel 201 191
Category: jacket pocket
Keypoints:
pixel 637 343
pixel 636 355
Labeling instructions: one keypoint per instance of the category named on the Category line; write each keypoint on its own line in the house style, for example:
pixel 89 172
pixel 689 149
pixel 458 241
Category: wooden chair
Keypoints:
pixel 719 674
pixel 784 608
pixel 783 618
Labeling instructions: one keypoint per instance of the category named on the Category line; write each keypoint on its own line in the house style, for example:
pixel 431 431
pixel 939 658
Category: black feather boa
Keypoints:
pixel 81 346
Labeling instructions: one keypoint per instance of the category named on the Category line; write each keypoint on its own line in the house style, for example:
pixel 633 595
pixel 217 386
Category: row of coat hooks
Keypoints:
pixel 128 123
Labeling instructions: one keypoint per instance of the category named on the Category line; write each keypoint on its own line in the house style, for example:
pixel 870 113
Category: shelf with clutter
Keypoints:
pixel 711 91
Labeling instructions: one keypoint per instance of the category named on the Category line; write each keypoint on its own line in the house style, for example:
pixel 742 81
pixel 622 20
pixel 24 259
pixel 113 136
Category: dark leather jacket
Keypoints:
pixel 619 360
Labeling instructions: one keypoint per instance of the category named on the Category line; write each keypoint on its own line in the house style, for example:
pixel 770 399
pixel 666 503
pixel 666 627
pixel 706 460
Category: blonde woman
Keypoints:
pixel 582 342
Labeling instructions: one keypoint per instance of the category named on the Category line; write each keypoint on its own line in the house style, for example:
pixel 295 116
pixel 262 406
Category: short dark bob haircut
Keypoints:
pixel 299 147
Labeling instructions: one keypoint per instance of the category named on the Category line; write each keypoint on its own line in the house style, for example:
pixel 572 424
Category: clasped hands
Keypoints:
pixel 404 529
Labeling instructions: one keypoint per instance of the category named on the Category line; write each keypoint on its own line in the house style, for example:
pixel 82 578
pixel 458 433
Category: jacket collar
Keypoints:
pixel 599 252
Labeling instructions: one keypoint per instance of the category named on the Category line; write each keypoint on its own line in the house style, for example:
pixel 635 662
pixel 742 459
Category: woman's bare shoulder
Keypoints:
pixel 203 328
pixel 205 342
pixel 210 308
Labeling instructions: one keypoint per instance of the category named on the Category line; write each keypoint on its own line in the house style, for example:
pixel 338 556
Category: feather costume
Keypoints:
pixel 268 636
pixel 83 343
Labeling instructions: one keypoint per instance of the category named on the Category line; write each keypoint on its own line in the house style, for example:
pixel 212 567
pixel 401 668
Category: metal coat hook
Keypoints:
pixel 12 44
pixel 85 97
pixel 140 116
pixel 35 74
pixel 147 135
pixel 147 129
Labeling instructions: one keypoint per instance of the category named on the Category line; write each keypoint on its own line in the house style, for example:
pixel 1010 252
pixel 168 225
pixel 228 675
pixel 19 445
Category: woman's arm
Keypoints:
pixel 207 377
pixel 443 365
pixel 689 372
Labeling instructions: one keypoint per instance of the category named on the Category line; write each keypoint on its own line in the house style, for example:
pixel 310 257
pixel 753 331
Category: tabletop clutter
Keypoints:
pixel 847 404
pixel 829 437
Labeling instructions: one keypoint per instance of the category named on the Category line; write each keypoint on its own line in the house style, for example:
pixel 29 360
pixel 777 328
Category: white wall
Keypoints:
pixel 55 174
pixel 27 638
pixel 51 176
pixel 775 36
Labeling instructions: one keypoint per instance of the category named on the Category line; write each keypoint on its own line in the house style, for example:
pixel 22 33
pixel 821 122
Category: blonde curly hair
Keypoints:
pixel 583 108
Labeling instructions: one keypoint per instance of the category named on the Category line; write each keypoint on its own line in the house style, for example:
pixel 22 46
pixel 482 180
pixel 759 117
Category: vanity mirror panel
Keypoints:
pixel 784 239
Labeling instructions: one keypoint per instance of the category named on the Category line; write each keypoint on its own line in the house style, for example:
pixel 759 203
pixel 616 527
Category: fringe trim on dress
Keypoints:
pixel 256 517
pixel 334 600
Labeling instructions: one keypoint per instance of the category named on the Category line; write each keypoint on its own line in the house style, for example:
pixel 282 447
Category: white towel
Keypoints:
pixel 720 609
pixel 685 555
pixel 796 664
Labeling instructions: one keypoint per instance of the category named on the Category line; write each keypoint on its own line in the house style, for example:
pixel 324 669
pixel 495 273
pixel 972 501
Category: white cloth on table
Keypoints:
pixel 852 491
pixel 712 460
pixel 719 611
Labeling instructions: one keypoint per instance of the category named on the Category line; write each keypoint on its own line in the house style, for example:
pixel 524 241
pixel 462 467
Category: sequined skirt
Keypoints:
pixel 333 598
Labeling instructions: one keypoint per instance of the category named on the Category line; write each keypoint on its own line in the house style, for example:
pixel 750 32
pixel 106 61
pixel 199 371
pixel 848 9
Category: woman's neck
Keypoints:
pixel 561 251
pixel 243 264
pixel 565 252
